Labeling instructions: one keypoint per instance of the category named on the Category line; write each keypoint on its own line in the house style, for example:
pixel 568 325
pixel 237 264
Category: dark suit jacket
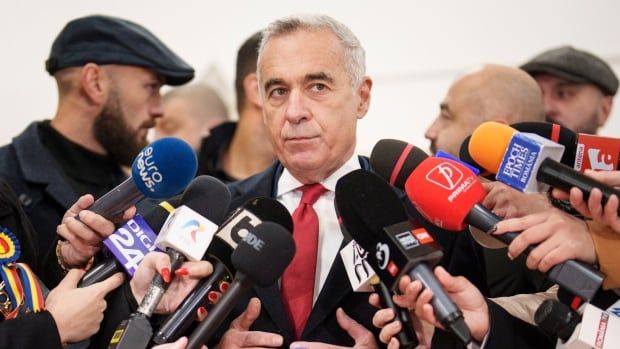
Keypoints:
pixel 322 325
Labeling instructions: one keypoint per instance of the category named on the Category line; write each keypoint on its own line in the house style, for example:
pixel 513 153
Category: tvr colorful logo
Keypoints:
pixel 194 227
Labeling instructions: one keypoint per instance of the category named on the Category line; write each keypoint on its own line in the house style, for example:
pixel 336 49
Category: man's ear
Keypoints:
pixel 363 92
pixel 605 110
pixel 250 86
pixel 94 83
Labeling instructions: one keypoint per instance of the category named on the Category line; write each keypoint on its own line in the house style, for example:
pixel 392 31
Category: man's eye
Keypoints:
pixel 319 87
pixel 278 92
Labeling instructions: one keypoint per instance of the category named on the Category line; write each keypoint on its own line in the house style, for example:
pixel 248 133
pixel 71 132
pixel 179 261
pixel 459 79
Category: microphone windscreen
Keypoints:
pixel 270 210
pixel 444 191
pixel 164 167
pixel 555 133
pixel 208 196
pixel 394 160
pixel 488 144
pixel 264 253
pixel 367 204
pixel 156 217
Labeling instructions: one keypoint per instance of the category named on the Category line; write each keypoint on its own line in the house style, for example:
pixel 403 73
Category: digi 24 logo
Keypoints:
pixel 131 242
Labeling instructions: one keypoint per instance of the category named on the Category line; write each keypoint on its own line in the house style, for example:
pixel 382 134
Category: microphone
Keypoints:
pixel 364 279
pixel 130 243
pixel 525 163
pixel 186 234
pixel 598 329
pixel 374 216
pixel 162 169
pixel 229 234
pixel 556 319
pixel 583 151
pixel 260 258
pixel 439 186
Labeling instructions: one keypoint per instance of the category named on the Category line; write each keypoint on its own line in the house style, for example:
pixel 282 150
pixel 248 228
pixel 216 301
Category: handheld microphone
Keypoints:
pixel 130 243
pixel 227 238
pixel 449 196
pixel 260 258
pixel 364 279
pixel 185 234
pixel 556 319
pixel 518 173
pixel 162 169
pixel 374 216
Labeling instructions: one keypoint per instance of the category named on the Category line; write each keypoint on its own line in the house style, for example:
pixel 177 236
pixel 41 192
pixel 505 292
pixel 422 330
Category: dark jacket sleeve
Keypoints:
pixel 30 331
pixel 508 332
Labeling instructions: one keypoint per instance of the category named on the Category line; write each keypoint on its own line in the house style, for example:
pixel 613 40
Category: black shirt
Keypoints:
pixel 85 171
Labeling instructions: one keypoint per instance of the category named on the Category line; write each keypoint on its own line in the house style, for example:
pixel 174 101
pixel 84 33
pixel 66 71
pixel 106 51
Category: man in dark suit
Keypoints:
pixel 313 89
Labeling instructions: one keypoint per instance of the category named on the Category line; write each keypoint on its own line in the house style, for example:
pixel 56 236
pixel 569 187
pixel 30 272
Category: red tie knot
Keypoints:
pixel 311 193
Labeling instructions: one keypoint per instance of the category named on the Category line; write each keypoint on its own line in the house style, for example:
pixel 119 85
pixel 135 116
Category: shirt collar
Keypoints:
pixel 288 183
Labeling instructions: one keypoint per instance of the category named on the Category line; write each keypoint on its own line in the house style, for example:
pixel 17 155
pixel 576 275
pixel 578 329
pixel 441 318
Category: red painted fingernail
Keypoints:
pixel 181 271
pixel 224 286
pixel 165 274
pixel 202 311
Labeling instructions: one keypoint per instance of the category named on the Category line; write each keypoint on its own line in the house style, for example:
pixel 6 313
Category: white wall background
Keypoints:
pixel 414 48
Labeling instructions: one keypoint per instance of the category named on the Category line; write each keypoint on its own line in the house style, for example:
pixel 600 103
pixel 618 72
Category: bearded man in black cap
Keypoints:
pixel 578 87
pixel 108 73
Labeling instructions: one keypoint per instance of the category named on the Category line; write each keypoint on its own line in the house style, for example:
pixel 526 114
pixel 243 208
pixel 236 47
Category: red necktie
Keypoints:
pixel 298 278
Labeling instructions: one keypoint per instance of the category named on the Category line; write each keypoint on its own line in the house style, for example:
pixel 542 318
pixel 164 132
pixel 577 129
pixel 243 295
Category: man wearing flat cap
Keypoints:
pixel 108 72
pixel 578 87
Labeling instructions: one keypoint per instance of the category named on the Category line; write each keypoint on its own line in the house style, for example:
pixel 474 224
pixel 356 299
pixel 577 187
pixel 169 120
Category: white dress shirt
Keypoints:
pixel 330 235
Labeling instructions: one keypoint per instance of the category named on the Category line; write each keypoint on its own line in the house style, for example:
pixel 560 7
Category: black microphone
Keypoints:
pixel 556 319
pixel 186 234
pixel 376 219
pixel 260 258
pixel 227 238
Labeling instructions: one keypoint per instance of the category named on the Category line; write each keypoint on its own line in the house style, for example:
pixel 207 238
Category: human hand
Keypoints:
pixel 84 235
pixel 462 292
pixel 158 262
pixel 364 339
pixel 593 208
pixel 559 236
pixel 385 319
pixel 240 336
pixel 78 311
pixel 181 343
pixel 507 202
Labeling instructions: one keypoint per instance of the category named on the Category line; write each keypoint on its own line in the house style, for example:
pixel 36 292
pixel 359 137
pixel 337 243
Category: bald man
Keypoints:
pixel 507 95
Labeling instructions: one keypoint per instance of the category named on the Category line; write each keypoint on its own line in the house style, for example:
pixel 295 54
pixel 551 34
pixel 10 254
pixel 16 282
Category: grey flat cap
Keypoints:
pixel 574 65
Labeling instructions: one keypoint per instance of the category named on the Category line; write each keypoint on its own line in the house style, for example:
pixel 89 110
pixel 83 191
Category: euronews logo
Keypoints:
pixel 149 174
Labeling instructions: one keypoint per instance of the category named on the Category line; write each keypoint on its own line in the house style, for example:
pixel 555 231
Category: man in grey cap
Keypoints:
pixel 108 72
pixel 578 87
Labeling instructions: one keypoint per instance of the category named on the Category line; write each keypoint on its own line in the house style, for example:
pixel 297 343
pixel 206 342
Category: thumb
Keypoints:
pixel 107 285
pixel 71 279
pixel 352 327
pixel 251 313
pixel 450 283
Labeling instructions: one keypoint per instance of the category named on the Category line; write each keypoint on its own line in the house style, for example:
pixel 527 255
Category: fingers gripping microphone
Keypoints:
pixel 522 164
pixel 162 169
pixel 260 258
pixel 227 238
pixel 449 196
pixel 185 234
pixel 374 216
pixel 130 243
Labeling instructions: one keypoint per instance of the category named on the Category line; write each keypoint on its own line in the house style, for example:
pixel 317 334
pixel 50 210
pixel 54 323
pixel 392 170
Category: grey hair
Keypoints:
pixel 354 54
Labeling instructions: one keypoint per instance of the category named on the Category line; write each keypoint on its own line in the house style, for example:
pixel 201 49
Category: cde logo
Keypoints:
pixel 193 227
pixel 149 173
pixel 445 175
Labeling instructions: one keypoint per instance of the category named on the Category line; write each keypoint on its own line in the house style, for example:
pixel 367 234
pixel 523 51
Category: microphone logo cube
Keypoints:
pixel 445 175
pixel 522 159
pixel 597 153
pixel 188 232
pixel 359 271
pixel 131 242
